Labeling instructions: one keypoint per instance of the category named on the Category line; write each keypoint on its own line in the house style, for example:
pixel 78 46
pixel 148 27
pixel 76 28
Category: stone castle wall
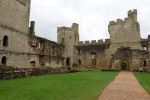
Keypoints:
pixel 14 23
pixel 15 14
pixel 26 50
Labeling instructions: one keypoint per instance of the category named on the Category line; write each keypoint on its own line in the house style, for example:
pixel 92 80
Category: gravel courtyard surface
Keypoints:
pixel 124 87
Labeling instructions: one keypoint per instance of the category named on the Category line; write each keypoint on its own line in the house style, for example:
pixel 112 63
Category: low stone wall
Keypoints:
pixel 7 72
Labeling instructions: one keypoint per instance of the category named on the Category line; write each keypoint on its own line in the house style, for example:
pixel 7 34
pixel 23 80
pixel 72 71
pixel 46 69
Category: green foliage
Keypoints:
pixel 144 79
pixel 72 86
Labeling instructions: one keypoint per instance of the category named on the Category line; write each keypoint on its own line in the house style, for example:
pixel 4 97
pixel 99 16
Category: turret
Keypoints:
pixel 133 14
pixel 67 35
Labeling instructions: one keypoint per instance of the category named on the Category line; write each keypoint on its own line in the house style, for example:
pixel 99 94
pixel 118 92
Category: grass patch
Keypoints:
pixel 72 86
pixel 144 79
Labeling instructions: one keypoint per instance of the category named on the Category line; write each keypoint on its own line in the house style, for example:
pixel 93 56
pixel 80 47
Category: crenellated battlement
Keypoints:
pixel 74 27
pixel 131 15
pixel 63 28
pixel 92 42
pixel 117 22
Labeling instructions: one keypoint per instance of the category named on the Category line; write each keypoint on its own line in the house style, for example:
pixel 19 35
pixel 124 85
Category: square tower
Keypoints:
pixel 125 33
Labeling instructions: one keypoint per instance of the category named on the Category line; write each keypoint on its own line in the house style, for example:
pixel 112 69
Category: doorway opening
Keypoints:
pixel 68 62
pixel 144 63
pixel 124 66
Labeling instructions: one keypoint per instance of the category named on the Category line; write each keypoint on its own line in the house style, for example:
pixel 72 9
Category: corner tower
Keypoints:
pixel 125 33
pixel 69 37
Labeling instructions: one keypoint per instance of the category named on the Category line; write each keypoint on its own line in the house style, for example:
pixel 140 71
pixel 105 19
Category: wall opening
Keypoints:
pixel 41 60
pixel 124 65
pixel 68 62
pixel 79 52
pixel 144 63
pixel 93 56
pixel 4 60
pixel 62 41
pixel 5 41
pixel 79 61
pixel 33 63
pixel 94 61
pixel 144 47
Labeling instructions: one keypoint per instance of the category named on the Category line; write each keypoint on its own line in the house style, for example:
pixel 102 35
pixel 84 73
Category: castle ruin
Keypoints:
pixel 21 48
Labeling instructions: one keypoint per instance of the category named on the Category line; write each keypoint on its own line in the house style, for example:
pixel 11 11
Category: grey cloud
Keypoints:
pixel 93 16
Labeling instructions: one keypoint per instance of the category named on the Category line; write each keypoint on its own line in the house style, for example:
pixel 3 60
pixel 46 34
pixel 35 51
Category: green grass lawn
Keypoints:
pixel 73 86
pixel 144 79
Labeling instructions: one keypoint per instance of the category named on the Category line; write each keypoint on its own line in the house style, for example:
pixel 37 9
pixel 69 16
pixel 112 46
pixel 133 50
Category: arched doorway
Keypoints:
pixel 124 65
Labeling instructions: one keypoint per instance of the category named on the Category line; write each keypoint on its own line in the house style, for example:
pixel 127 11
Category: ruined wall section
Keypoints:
pixel 125 33
pixel 48 53
pixel 85 56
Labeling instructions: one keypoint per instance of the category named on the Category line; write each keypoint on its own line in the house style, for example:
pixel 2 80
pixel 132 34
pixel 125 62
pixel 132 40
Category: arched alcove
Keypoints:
pixel 4 60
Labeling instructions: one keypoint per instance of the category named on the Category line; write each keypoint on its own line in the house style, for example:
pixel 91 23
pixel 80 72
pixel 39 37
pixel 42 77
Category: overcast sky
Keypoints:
pixel 92 16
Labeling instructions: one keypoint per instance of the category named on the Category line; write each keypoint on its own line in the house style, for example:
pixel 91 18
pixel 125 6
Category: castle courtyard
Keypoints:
pixel 74 50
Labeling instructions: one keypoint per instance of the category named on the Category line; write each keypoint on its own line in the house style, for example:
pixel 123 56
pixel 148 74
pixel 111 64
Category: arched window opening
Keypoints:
pixel 5 41
pixel 33 63
pixel 4 60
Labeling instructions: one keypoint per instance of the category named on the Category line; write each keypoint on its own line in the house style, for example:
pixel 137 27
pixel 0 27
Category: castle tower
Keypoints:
pixel 69 37
pixel 125 33
pixel 14 30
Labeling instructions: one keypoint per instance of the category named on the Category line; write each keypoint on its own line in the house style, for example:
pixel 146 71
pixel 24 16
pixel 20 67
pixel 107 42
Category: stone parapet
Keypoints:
pixel 101 41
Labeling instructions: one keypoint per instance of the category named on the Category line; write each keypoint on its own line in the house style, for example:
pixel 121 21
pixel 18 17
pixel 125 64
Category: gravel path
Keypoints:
pixel 124 87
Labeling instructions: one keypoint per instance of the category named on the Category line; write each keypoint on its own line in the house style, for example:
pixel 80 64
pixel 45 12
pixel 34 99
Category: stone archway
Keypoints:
pixel 124 65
